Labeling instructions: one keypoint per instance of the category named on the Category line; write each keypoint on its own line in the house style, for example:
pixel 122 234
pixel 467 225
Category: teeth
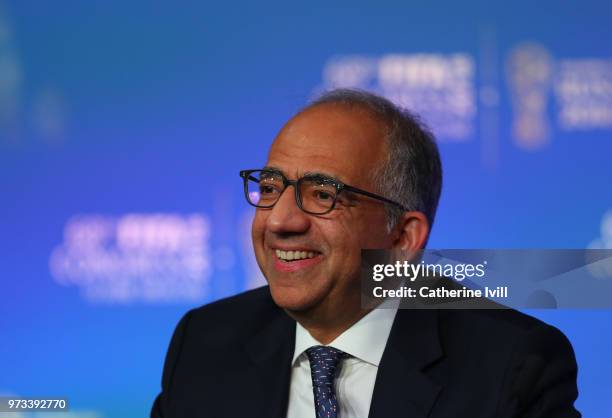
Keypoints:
pixel 294 255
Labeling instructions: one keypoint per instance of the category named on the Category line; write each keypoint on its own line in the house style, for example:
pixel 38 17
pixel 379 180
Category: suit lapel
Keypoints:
pixel 402 389
pixel 271 352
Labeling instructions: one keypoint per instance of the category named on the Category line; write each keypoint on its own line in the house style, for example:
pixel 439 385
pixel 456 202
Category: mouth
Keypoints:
pixel 293 260
pixel 288 256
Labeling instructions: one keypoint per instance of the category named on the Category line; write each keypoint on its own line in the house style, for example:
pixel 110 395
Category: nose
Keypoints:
pixel 286 218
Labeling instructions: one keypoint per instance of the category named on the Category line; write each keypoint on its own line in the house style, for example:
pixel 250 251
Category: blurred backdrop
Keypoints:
pixel 123 126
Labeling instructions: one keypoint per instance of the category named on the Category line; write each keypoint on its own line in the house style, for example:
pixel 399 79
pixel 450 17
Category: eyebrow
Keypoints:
pixel 321 174
pixel 273 169
pixel 307 173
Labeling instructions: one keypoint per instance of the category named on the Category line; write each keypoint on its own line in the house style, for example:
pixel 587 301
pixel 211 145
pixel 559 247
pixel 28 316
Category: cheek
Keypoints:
pixel 257 237
pixel 370 232
pixel 258 230
pixel 344 238
pixel 377 238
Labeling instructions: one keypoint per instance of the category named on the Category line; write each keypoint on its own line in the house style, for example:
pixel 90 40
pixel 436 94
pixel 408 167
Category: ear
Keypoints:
pixel 411 232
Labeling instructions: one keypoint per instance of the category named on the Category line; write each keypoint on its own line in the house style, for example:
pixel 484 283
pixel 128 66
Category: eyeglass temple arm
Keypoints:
pixel 374 196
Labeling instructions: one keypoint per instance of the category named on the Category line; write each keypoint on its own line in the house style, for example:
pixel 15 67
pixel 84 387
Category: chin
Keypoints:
pixel 292 299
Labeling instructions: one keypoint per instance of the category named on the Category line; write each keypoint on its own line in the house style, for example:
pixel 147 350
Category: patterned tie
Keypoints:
pixel 323 364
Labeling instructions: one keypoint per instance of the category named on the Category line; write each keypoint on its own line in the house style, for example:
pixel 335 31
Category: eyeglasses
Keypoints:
pixel 315 194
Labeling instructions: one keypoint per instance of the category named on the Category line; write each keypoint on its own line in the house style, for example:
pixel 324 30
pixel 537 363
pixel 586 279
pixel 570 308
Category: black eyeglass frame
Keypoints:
pixel 340 186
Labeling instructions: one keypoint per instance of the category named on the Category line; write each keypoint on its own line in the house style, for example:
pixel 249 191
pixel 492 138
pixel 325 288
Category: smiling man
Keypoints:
pixel 326 146
pixel 352 171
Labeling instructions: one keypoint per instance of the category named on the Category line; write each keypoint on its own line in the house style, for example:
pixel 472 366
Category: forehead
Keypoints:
pixel 345 142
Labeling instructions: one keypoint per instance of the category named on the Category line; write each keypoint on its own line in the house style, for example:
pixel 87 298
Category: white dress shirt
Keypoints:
pixel 365 341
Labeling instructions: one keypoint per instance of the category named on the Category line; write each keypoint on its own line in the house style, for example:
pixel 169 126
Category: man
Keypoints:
pixel 352 171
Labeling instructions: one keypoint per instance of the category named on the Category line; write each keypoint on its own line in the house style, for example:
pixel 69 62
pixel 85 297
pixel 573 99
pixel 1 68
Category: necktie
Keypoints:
pixel 323 365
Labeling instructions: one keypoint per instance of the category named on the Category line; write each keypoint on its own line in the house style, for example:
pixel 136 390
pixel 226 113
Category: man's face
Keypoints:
pixel 347 144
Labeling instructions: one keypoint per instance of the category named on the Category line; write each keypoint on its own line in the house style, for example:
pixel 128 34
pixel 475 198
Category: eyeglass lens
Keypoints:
pixel 317 194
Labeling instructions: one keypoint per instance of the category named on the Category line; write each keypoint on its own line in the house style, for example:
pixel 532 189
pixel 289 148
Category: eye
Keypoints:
pixel 267 189
pixel 323 195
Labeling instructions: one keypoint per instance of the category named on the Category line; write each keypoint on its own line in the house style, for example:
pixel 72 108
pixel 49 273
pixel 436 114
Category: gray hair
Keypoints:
pixel 412 172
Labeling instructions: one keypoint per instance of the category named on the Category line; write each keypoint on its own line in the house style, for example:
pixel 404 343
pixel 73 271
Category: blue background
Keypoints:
pixel 155 100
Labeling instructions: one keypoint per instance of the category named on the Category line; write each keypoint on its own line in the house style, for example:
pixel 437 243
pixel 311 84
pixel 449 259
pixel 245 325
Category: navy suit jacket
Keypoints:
pixel 232 358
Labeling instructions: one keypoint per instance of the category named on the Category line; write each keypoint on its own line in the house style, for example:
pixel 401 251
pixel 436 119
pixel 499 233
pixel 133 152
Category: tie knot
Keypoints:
pixel 324 362
pixel 324 351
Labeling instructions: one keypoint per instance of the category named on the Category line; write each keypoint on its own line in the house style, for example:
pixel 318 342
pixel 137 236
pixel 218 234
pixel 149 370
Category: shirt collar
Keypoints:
pixel 366 339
